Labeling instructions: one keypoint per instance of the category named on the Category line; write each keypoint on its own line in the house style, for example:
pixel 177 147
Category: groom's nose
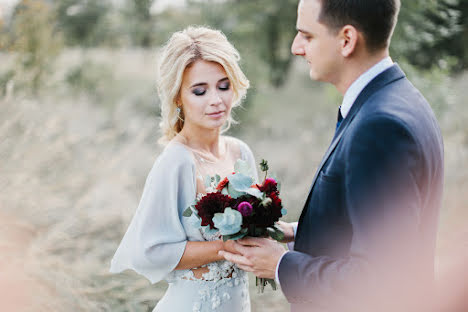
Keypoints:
pixel 297 47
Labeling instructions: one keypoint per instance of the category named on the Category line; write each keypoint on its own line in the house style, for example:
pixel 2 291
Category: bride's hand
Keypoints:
pixel 288 231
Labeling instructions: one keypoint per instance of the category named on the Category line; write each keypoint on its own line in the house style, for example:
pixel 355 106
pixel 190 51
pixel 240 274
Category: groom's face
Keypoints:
pixel 316 43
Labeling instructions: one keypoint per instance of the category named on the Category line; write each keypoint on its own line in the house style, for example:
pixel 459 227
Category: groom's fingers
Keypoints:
pixel 251 241
pixel 238 259
pixel 242 249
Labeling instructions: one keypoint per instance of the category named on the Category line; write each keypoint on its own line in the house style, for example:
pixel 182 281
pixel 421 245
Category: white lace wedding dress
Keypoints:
pixel 158 233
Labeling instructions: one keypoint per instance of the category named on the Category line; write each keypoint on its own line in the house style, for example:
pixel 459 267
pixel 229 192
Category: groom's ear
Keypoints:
pixel 349 37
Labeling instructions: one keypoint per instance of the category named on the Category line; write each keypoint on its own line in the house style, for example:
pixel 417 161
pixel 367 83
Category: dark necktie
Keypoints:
pixel 339 119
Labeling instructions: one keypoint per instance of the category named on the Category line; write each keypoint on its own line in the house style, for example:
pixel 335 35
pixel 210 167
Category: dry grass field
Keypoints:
pixel 74 158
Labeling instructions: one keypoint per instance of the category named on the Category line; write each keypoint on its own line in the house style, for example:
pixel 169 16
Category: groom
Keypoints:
pixel 366 237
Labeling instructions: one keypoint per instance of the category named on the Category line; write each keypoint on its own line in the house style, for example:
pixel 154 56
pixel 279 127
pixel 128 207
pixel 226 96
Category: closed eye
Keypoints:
pixel 199 91
pixel 224 86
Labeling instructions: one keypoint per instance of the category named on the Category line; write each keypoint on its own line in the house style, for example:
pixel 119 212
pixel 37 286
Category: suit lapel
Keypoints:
pixel 388 76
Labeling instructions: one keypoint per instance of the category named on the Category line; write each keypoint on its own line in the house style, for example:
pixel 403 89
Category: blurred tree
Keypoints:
pixel 264 29
pixel 35 39
pixel 83 22
pixel 140 21
pixel 457 45
pixel 428 33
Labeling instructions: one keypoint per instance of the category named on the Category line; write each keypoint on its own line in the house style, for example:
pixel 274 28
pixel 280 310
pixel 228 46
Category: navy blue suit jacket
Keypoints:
pixel 369 224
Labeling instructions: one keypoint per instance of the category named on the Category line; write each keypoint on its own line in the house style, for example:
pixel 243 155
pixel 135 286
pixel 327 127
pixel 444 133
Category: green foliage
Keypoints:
pixel 423 30
pixel 457 45
pixel 94 79
pixel 35 40
pixel 83 21
pixel 262 30
pixel 140 23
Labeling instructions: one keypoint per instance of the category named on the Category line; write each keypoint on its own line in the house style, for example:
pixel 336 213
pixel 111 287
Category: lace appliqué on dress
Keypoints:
pixel 214 286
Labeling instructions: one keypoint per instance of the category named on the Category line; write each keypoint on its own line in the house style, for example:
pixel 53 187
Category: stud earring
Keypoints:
pixel 178 110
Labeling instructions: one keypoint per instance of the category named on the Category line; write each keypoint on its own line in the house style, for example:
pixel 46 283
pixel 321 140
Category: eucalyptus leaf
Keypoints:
pixel 209 231
pixel 187 212
pixel 234 236
pixel 207 181
pixel 233 192
pixel 255 192
pixel 225 191
pixel 240 182
pixel 275 233
pixel 217 179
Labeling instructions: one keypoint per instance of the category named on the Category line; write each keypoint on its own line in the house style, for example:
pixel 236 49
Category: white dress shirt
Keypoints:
pixel 350 96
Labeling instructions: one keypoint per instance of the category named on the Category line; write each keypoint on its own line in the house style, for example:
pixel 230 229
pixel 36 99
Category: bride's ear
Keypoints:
pixel 348 40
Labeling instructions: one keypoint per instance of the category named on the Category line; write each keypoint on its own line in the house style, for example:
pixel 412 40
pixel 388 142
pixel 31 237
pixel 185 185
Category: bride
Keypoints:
pixel 199 83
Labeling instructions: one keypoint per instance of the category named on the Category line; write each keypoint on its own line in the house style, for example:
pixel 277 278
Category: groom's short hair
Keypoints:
pixel 376 19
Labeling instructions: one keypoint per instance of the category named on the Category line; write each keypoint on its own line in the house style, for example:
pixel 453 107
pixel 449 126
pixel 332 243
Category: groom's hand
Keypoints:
pixel 257 255
pixel 229 246
pixel 288 231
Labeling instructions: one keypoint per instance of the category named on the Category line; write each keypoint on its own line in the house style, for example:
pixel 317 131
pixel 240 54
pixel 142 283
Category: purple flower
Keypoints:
pixel 245 208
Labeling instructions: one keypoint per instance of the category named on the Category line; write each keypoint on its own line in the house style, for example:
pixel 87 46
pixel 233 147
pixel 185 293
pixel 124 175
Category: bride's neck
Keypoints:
pixel 202 140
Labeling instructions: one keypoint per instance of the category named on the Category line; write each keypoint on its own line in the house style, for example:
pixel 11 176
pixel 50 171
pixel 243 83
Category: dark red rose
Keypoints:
pixel 276 205
pixel 210 204
pixel 268 186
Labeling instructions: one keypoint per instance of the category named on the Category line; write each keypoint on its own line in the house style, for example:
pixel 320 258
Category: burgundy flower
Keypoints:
pixel 245 208
pixel 276 205
pixel 210 204
pixel 268 186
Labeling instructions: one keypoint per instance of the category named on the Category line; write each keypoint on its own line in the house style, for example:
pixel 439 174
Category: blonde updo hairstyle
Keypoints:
pixel 183 49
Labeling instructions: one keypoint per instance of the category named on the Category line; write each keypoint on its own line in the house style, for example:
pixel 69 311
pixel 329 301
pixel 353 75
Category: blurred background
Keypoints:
pixel 78 131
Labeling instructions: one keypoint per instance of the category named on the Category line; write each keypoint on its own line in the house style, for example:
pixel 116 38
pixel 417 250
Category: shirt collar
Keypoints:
pixel 359 84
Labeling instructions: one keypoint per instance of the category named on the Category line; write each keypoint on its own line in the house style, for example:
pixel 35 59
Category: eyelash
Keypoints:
pixel 200 91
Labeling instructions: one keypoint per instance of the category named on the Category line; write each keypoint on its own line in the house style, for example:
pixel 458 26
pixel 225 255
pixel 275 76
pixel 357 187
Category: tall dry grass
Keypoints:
pixel 73 162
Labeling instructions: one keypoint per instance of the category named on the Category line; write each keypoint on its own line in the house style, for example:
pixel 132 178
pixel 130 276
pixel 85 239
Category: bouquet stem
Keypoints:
pixel 261 282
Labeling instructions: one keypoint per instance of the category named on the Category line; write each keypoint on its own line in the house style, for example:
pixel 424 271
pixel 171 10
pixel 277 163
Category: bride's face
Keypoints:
pixel 206 95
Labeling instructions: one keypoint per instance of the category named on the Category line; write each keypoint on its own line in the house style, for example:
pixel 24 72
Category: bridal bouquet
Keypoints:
pixel 236 207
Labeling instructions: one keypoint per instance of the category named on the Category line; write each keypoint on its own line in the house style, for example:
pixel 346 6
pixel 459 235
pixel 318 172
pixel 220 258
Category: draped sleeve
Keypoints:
pixel 155 239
